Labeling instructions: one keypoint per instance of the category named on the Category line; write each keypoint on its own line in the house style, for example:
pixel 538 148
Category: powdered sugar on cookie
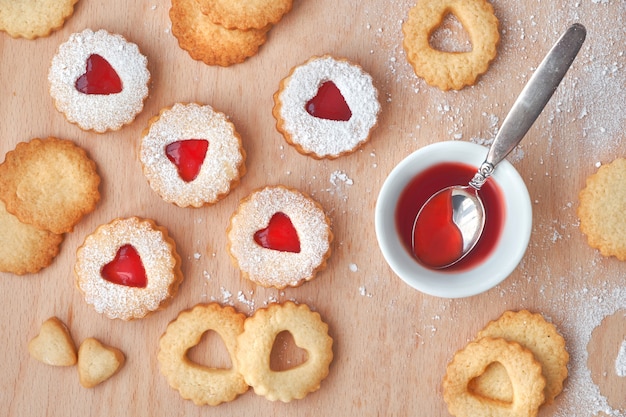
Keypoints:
pixel 99 112
pixel 320 137
pixel 220 168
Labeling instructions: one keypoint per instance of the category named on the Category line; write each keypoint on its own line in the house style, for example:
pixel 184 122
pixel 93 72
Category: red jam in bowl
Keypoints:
pixel 433 179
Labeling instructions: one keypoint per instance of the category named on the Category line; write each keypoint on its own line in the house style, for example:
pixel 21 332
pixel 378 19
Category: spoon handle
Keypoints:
pixel 534 97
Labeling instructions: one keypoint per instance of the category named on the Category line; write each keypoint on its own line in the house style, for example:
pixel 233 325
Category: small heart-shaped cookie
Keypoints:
pixel 97 362
pixel 53 345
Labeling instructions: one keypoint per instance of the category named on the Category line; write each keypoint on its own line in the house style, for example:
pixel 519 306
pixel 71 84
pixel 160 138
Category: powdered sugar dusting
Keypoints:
pixel 96 111
pixel 620 361
pixel 323 137
pixel 277 268
pixel 157 255
pixel 221 165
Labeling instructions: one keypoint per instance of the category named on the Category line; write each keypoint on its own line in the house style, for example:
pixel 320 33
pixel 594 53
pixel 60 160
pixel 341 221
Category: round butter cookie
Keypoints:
pixel 49 183
pixel 128 268
pixel 99 80
pixel 326 107
pixel 25 249
pixel 34 19
pixel 211 43
pixel 541 338
pixel 279 237
pixel 244 15
pixel 192 155
pixel 601 209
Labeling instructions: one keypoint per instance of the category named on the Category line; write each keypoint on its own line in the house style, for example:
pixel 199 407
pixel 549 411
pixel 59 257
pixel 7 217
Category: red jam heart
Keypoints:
pixel 188 156
pixel 126 269
pixel 99 77
pixel 329 104
pixel 279 235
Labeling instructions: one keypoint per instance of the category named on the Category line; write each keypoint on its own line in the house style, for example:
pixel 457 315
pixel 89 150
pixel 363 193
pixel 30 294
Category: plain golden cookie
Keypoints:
pixel 97 362
pixel 53 345
pixel 196 382
pixel 49 183
pixel 255 347
pixel 470 362
pixel 25 249
pixel 601 209
pixel 245 14
pixel 451 70
pixel 534 333
pixel 210 43
pixel 31 19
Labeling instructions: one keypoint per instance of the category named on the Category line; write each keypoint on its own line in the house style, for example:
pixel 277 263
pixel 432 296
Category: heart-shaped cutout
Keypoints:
pixel 99 77
pixel 211 347
pixel 53 345
pixel 126 268
pixel 450 36
pixel 285 353
pixel 97 362
pixel 279 235
pixel 188 156
pixel 329 104
pixel 493 384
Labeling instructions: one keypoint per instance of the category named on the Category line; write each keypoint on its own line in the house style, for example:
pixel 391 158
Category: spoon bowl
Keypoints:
pixel 464 208
pixel 450 223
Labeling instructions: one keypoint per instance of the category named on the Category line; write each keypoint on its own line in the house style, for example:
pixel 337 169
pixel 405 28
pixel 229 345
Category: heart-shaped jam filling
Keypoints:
pixel 126 268
pixel 329 104
pixel 188 156
pixel 99 77
pixel 279 235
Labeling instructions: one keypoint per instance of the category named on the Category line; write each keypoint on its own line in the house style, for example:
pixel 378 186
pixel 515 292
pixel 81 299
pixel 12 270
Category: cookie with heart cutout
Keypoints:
pixel 192 155
pixel 128 268
pixel 279 237
pixel 99 80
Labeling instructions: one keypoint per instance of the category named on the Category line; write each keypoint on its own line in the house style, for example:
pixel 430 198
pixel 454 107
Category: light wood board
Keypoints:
pixel 392 343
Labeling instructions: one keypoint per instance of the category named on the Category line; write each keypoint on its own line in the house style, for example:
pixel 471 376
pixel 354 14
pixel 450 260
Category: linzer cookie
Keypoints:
pixel 192 155
pixel 279 237
pixel 209 42
pixel 128 268
pixel 99 80
pixel 601 209
pixel 326 107
pixel 34 19
pixel 49 183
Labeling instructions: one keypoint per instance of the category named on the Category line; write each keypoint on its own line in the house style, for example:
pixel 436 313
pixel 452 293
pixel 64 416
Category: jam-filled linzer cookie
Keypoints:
pixel 128 268
pixel 279 237
pixel 192 155
pixel 326 107
pixel 99 80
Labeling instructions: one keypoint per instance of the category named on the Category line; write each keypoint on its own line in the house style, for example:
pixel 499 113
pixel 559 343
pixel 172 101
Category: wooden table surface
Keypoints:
pixel 392 343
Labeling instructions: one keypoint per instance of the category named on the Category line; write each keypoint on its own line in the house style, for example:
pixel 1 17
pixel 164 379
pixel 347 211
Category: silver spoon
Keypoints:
pixel 468 211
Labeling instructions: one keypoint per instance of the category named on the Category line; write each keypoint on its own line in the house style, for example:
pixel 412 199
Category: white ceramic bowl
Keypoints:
pixel 508 250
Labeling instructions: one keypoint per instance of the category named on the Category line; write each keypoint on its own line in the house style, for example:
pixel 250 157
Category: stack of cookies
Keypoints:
pixel 224 32
pixel 516 364
pixel 46 187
